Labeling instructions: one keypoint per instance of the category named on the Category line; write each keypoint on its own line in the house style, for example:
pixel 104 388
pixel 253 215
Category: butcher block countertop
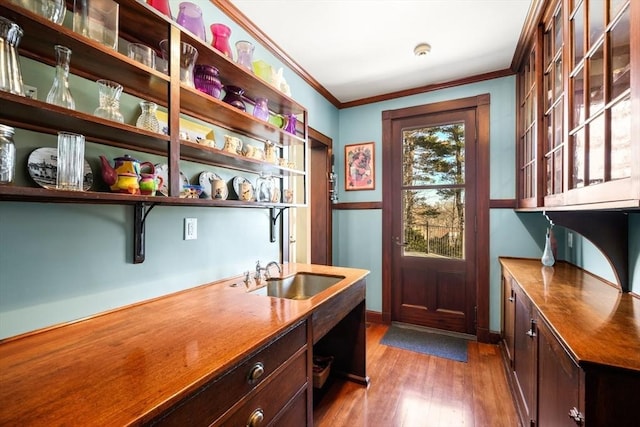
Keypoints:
pixel 598 323
pixel 128 365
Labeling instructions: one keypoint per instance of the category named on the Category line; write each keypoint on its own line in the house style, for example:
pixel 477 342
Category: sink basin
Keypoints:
pixel 299 286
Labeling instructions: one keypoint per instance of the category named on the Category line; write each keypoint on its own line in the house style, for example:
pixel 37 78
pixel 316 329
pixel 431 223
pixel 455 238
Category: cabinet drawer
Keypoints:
pixel 215 398
pixel 270 399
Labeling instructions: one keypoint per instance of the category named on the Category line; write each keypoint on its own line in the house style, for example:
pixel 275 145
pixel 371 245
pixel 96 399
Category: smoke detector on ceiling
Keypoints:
pixel 422 49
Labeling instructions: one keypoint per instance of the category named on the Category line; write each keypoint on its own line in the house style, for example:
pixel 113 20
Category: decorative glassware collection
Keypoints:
pixel 98 20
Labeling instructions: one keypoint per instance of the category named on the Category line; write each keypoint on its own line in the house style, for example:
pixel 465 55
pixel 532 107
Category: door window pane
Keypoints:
pixel 433 223
pixel 433 155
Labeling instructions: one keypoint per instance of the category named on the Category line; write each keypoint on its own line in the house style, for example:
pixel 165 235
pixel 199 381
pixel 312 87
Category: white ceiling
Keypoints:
pixel 362 48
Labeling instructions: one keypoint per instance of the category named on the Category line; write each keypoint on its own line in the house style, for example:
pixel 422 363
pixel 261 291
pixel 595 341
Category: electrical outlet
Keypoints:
pixel 570 240
pixel 190 228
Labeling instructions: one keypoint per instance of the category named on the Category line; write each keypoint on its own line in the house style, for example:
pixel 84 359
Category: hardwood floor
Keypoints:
pixel 411 389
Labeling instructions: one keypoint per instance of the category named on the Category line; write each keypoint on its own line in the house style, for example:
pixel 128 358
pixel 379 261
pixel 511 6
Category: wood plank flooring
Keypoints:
pixel 412 390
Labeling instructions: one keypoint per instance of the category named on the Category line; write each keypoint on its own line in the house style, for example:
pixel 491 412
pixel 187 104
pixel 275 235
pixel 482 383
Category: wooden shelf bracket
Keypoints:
pixel 140 213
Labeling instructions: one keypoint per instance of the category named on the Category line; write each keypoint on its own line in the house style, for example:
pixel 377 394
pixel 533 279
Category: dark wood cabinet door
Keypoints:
pixel 558 382
pixel 508 316
pixel 524 358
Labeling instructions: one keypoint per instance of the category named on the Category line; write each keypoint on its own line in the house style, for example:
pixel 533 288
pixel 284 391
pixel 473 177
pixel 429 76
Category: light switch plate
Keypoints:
pixel 190 228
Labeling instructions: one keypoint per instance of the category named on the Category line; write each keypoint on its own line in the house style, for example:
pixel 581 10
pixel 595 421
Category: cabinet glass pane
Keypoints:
pixel 596 20
pixel 620 56
pixel 577 31
pixel 557 167
pixel 577 83
pixel 596 150
pixel 621 139
pixel 548 85
pixel 548 125
pixel 578 159
pixel 557 28
pixel 596 81
pixel 614 8
pixel 549 170
pixel 548 49
pixel 557 124
pixel 557 83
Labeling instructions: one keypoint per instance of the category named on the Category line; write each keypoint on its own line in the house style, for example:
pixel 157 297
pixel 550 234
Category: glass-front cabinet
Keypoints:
pixel 589 71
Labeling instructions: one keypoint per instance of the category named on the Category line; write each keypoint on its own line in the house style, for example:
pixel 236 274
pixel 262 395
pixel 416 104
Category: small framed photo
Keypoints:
pixel 359 165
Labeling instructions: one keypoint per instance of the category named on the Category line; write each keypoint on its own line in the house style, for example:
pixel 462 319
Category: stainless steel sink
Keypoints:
pixel 299 286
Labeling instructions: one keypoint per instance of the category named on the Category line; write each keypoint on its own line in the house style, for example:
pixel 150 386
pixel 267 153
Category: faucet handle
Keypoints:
pixel 247 278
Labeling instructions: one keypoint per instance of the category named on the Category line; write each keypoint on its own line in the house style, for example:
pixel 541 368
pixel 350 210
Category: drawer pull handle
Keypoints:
pixel 532 330
pixel 576 416
pixel 256 418
pixel 255 372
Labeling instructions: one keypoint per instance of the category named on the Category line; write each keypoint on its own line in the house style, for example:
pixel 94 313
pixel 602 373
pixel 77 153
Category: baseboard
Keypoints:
pixel 375 317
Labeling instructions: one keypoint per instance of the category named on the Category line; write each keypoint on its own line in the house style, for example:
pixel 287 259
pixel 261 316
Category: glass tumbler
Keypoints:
pixel 190 17
pixel 188 57
pixel 143 54
pixel 70 162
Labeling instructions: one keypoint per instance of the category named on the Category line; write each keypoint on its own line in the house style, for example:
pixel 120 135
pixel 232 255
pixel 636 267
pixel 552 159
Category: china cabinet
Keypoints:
pixel 94 61
pixel 579 148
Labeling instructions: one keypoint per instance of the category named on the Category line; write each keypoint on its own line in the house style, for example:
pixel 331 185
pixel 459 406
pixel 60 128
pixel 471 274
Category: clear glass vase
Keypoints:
pixel 59 94
pixel 244 55
pixel 148 119
pixel 109 99
pixel 547 255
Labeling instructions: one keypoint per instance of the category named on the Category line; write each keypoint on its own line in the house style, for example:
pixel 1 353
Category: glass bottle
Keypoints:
pixel 148 119
pixel 233 96
pixel 261 109
pixel 220 40
pixel 244 54
pixel 109 99
pixel 547 255
pixel 7 155
pixel 59 94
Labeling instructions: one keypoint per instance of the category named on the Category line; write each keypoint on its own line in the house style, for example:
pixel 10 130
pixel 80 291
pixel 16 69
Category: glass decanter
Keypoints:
pixel 109 99
pixel 59 94
pixel 148 119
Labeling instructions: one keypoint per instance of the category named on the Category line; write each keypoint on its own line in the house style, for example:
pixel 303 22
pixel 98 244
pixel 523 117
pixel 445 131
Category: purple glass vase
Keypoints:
pixel 206 80
pixel 233 96
pixel 221 34
pixel 261 109
pixel 190 17
pixel 291 123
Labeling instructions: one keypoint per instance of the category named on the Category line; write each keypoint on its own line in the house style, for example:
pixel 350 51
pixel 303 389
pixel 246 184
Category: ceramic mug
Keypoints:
pixel 270 152
pixel 288 196
pixel 149 183
pixel 219 190
pixel 246 191
pixel 253 152
pixel 232 144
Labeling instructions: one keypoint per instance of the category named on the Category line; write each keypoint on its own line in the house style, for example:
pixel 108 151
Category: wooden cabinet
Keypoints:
pixel 576 347
pixel 508 317
pixel 524 356
pixel 586 149
pixel 91 60
pixel 271 384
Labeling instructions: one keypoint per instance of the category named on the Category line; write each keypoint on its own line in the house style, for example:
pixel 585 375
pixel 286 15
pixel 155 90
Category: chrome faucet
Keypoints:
pixel 259 269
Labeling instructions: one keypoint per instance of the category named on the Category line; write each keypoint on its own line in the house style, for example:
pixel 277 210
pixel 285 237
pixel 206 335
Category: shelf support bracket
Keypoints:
pixel 139 217
pixel 608 230
pixel 273 219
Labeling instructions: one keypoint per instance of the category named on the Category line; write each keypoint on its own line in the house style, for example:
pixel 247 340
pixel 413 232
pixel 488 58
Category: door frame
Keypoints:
pixel 320 207
pixel 481 104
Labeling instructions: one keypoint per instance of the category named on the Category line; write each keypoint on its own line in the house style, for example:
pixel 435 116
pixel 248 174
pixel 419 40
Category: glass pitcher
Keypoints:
pixel 10 74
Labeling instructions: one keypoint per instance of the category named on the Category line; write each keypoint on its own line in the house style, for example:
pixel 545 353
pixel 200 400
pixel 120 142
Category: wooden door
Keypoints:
pixel 319 203
pixel 433 220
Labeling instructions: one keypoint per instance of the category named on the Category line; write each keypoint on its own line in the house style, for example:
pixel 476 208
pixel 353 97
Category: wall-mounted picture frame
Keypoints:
pixel 359 166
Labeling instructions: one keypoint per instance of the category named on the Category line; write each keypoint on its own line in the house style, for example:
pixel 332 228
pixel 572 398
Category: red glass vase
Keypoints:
pixel 162 6
pixel 220 40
